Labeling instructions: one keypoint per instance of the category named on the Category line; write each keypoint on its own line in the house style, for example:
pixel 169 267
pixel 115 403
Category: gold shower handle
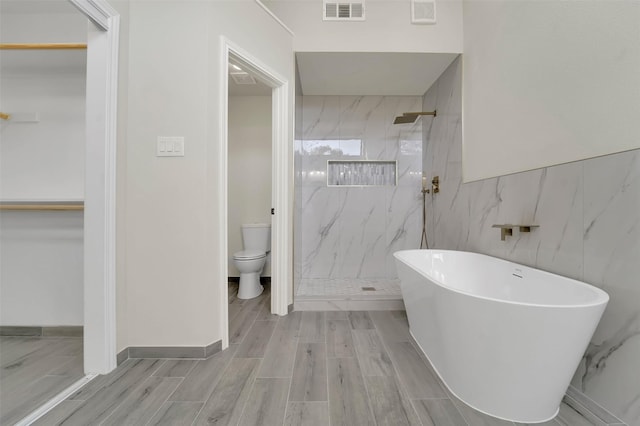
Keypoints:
pixel 435 184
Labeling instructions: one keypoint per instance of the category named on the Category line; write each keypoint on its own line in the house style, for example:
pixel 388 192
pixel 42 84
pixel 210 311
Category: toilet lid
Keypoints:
pixel 249 254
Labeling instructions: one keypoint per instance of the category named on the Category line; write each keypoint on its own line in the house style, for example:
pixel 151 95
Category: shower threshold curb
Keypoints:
pixel 349 303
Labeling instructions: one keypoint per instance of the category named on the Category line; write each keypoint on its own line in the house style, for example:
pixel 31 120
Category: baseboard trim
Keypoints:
pixel 122 356
pixel 42 331
pixel 590 409
pixel 213 349
pixel 180 352
pixel 290 308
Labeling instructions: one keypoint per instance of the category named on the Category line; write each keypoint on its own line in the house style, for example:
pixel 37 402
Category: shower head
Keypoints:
pixel 404 119
pixel 411 117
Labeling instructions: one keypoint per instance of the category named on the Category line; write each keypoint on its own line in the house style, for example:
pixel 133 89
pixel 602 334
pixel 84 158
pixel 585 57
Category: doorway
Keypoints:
pixel 249 196
pixel 280 262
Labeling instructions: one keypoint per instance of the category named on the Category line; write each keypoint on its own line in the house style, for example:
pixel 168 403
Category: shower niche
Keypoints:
pixel 362 173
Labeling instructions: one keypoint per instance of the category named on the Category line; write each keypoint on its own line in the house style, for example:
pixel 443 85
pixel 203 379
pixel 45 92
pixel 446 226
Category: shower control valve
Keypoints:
pixel 435 184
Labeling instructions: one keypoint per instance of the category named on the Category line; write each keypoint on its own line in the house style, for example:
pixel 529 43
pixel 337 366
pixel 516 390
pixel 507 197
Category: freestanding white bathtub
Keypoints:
pixel 504 338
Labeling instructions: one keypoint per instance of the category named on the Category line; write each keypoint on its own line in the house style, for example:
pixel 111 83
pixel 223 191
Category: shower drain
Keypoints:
pixel 368 289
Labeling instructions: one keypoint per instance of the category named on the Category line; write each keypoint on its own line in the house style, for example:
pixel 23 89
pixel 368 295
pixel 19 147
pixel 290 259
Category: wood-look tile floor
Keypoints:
pixel 307 368
pixel 34 370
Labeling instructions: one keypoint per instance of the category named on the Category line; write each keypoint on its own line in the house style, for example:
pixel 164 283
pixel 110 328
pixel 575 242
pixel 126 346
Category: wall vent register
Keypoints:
pixel 423 11
pixel 361 173
pixel 343 11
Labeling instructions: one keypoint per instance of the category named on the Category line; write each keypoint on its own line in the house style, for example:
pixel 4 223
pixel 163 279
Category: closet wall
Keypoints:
pixel 41 256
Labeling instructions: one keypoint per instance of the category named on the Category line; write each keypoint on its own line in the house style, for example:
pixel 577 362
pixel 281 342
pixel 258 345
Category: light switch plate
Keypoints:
pixel 170 146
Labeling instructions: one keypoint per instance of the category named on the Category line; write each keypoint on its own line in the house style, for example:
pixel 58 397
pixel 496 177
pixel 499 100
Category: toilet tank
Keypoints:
pixel 256 236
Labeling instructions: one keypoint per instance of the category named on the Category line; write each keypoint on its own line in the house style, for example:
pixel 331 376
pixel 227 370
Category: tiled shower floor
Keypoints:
pixel 349 287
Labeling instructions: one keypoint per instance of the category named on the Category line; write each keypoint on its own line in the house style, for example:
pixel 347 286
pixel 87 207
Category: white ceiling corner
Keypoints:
pixel 370 73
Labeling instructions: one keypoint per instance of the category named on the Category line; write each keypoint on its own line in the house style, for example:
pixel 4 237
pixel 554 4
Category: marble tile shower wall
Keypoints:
pixel 352 232
pixel 297 186
pixel 589 217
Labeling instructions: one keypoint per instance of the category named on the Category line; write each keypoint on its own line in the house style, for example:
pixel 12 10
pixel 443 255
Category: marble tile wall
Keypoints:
pixel 589 217
pixel 352 232
pixel 297 186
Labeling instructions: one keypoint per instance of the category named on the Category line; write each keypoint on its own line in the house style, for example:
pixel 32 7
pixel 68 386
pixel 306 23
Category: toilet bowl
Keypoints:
pixel 250 264
pixel 256 240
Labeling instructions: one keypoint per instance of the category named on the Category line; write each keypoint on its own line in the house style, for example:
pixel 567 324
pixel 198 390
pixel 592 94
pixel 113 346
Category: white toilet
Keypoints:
pixel 256 240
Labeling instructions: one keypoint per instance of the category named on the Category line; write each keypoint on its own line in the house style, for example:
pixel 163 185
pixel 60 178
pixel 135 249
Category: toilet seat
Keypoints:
pixel 249 255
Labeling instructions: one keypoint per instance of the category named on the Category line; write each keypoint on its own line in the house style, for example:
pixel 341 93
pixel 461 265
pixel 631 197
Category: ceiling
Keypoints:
pixel 37 6
pixel 258 89
pixel 370 73
pixel 321 73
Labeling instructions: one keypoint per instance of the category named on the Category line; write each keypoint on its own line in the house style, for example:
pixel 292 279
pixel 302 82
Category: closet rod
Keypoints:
pixel 41 46
pixel 49 207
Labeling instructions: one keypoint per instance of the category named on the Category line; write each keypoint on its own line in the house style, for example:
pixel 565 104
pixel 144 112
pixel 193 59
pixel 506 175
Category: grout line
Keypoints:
pixel 326 362
pixel 413 405
pixel 401 382
pixel 198 414
pixel 295 358
pixel 204 403
pixel 364 382
pixel 166 399
pixel 393 366
pixel 253 384
pixel 192 367
pixel 130 391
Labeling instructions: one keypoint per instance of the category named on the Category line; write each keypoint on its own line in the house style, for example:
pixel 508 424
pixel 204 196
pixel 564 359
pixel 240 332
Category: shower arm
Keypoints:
pixel 434 113
pixel 411 117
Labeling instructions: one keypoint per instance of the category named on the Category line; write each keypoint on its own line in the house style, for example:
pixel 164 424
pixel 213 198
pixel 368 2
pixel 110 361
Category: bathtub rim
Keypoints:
pixel 603 298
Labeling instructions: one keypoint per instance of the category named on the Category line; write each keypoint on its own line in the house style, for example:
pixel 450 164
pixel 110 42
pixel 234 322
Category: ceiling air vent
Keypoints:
pixel 242 78
pixel 423 11
pixel 343 11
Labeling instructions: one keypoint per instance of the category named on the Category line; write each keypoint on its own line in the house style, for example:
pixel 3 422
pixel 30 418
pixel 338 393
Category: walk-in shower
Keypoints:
pixel 357 178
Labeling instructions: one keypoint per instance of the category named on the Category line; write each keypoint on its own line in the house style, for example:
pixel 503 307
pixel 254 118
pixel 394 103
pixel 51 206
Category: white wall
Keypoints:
pixel 41 257
pixel 41 268
pixel 548 82
pixel 172 261
pixel 387 28
pixel 43 160
pixel 297 183
pixel 249 168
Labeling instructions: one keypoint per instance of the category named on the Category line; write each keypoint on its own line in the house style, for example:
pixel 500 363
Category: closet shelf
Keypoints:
pixel 42 206
pixel 42 46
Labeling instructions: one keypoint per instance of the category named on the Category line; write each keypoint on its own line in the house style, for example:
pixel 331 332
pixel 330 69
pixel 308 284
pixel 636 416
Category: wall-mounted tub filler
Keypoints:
pixel 507 230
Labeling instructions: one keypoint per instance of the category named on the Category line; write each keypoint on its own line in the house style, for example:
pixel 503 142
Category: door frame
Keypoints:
pixel 100 186
pixel 281 265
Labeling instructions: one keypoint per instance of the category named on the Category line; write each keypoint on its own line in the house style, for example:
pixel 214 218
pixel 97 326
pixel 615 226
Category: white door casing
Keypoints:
pixel 280 230
pixel 100 186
